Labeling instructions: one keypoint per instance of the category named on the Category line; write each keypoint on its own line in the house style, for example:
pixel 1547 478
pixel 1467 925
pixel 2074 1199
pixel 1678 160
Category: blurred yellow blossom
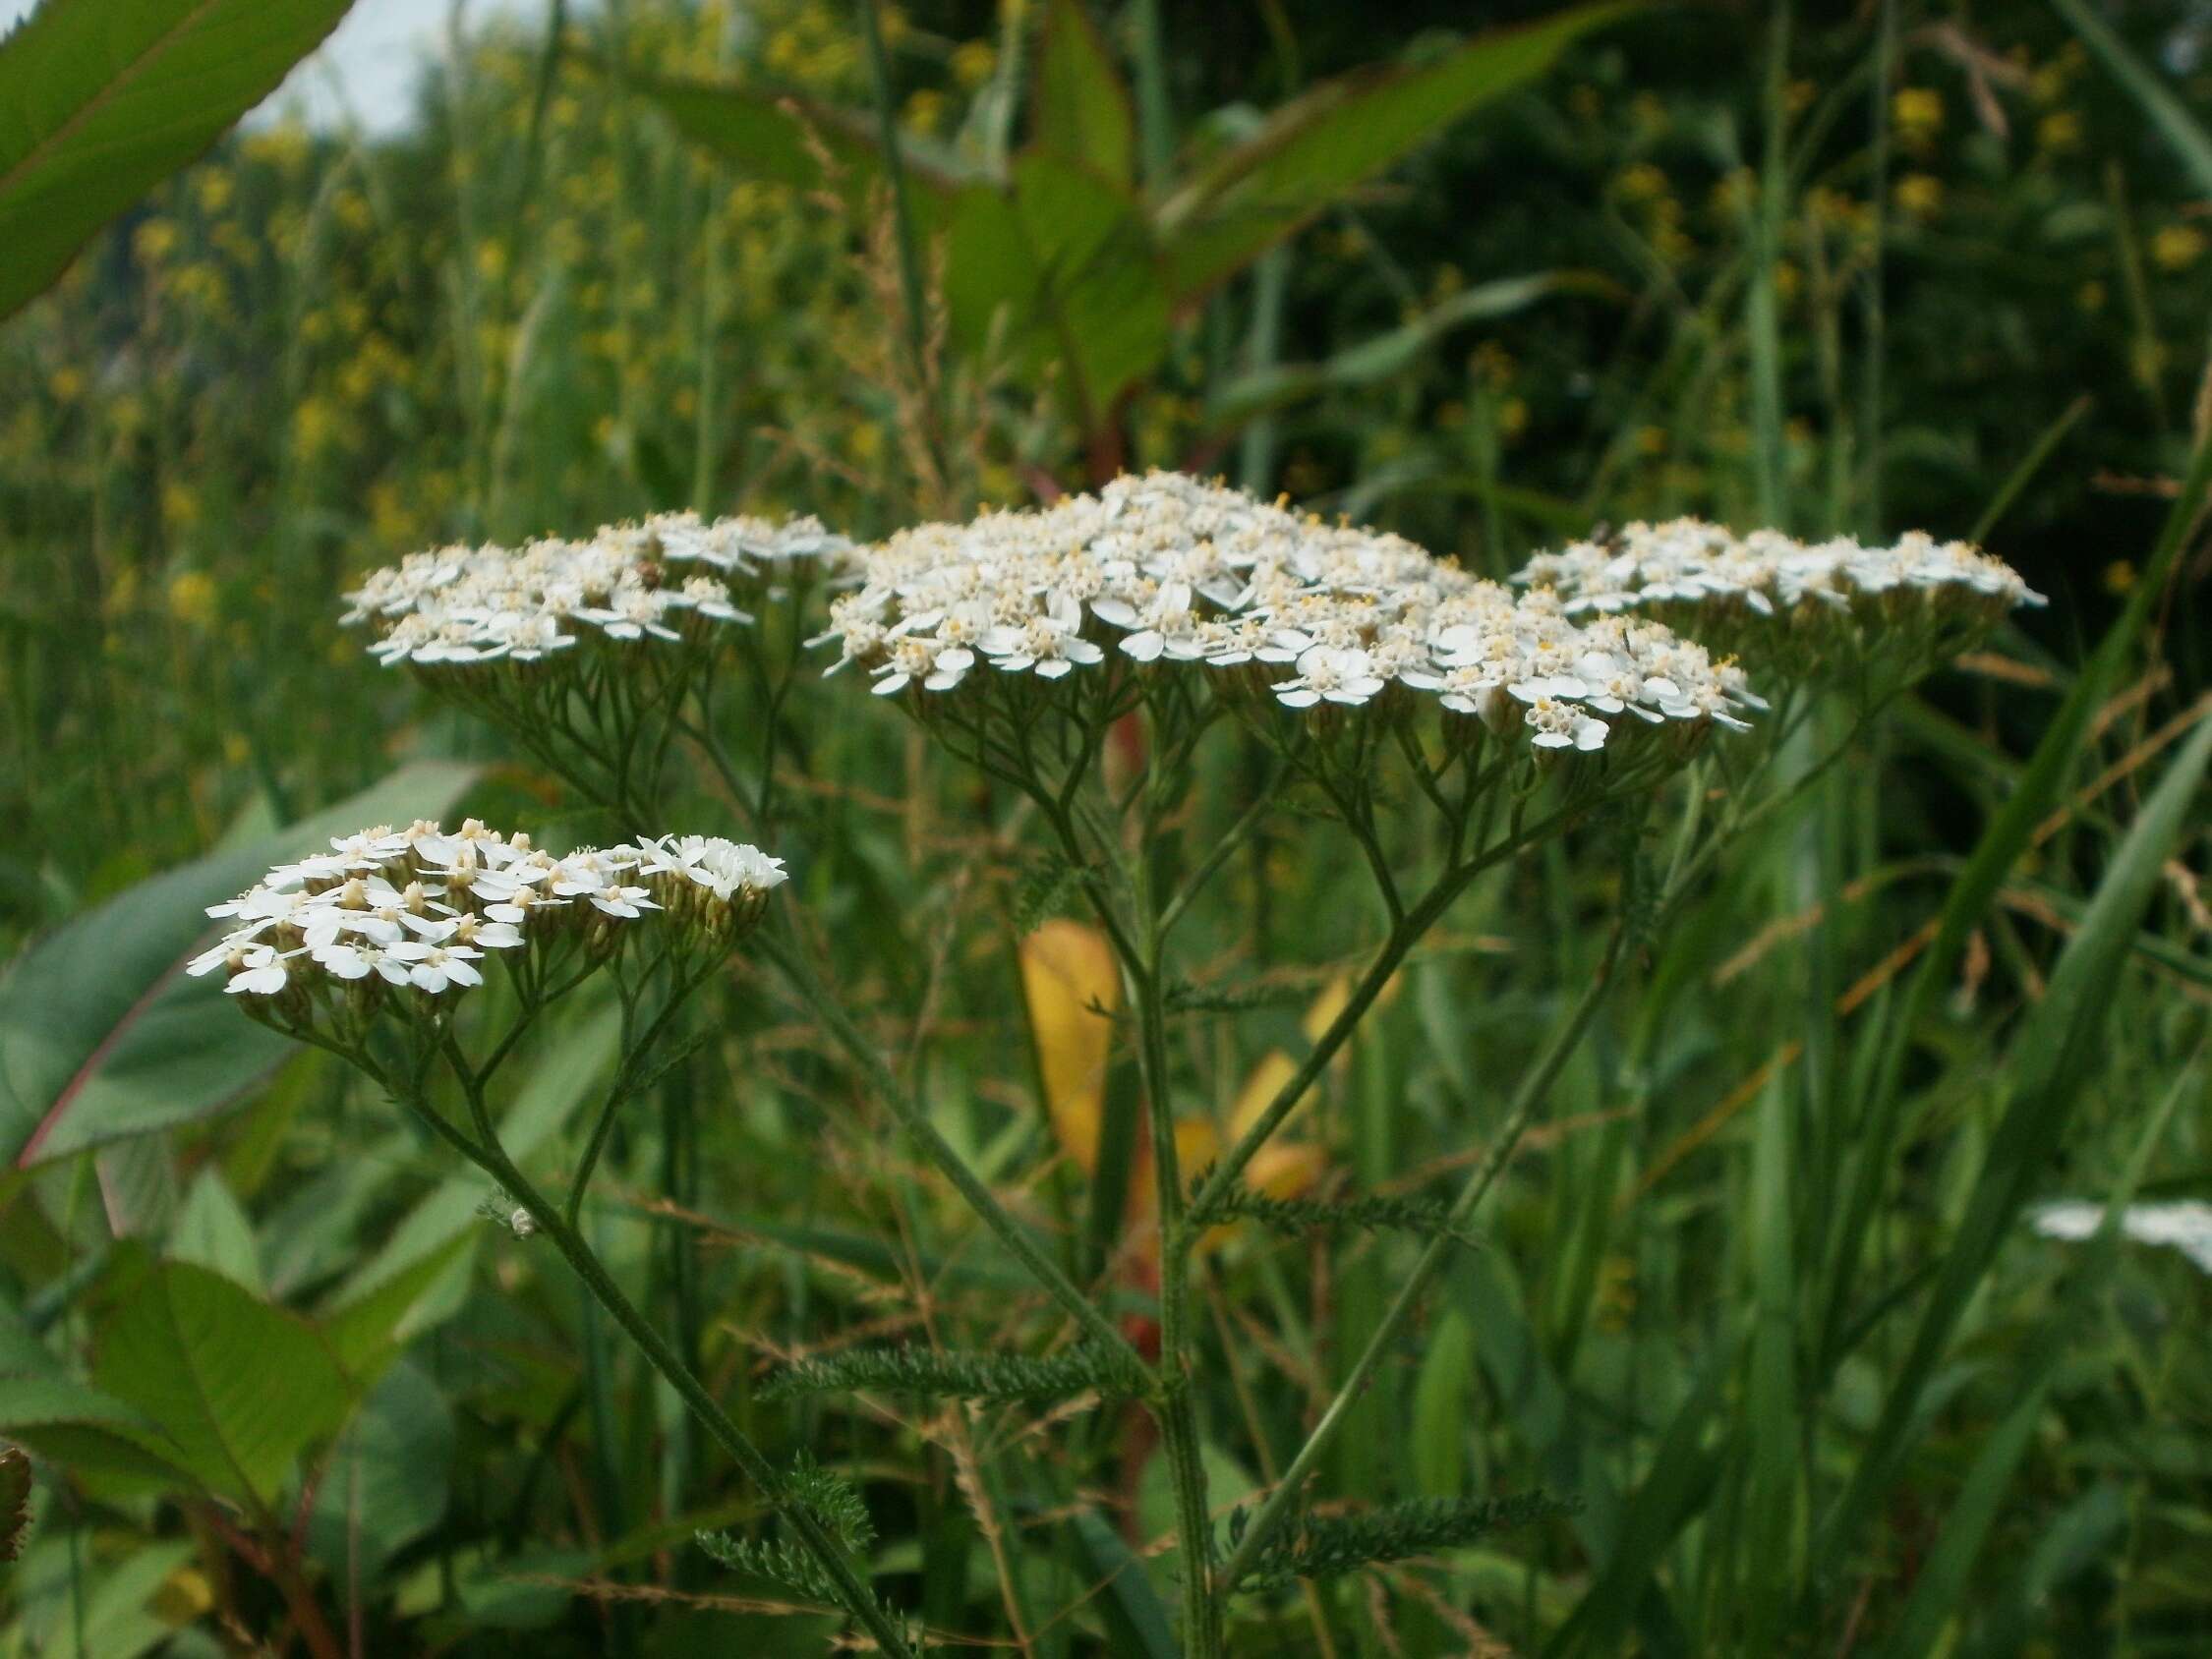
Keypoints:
pixel 973 63
pixel 180 506
pixel 1918 112
pixel 155 241
pixel 925 109
pixel 1919 196
pixel 315 426
pixel 2059 130
pixel 212 189
pixel 191 597
pixel 1640 182
pixel 2176 247
pixel 284 146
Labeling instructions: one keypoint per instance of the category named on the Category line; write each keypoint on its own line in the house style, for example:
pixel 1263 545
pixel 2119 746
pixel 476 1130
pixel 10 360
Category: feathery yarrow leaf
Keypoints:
pixel 1424 1216
pixel 1081 1368
pixel 1311 1546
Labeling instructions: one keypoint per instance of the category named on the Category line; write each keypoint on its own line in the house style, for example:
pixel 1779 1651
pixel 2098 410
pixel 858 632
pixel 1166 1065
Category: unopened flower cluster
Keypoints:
pixel 1701 573
pixel 422 909
pixel 656 580
pixel 1164 569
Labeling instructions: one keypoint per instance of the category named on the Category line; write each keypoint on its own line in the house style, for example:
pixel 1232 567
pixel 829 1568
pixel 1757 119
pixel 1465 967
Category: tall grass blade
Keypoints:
pixel 2049 1064
pixel 2166 112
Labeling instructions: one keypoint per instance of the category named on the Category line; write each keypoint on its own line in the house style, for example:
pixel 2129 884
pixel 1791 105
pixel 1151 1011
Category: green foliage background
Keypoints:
pixel 1766 267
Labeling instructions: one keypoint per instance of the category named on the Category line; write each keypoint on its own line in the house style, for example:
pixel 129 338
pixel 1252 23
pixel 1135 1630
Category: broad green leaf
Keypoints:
pixel 387 1479
pixel 89 1433
pixel 71 1605
pixel 1063 272
pixel 239 1387
pixel 1082 110
pixel 102 99
pixel 1316 149
pixel 138 1180
pixel 214 1231
pixel 1439 1412
pixel 782 136
pixel 102 1037
pixel 368 1330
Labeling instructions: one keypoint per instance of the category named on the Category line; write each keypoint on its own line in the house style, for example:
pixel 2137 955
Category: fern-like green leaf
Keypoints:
pixel 1424 1216
pixel 1313 1545
pixel 959 1375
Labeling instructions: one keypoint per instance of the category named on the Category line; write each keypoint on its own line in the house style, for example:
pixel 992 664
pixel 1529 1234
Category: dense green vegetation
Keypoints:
pixel 1752 1347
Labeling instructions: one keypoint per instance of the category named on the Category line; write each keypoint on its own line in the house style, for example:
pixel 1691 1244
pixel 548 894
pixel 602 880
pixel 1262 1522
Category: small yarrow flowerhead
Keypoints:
pixel 1799 610
pixel 668 579
pixel 1165 573
pixel 408 920
pixel 715 886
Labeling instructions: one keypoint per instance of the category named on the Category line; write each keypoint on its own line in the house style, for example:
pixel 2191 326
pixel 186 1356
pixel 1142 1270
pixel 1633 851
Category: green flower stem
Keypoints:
pixel 627 1081
pixel 1535 1087
pixel 1177 1408
pixel 791 959
pixel 489 1155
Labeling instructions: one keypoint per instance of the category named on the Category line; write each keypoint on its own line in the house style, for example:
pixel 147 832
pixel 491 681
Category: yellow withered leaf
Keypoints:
pixel 1068 976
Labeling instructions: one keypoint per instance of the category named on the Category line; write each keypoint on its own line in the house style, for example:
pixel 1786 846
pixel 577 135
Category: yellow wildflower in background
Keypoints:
pixel 2176 247
pixel 2059 130
pixel 1918 195
pixel 1918 113
pixel 973 63
pixel 1640 182
pixel 155 241
pixel 191 597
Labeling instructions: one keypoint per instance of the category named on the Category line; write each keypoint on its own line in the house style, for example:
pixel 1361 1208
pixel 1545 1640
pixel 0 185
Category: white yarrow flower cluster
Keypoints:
pixel 1687 567
pixel 1165 569
pixel 2184 1225
pixel 421 909
pixel 457 606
